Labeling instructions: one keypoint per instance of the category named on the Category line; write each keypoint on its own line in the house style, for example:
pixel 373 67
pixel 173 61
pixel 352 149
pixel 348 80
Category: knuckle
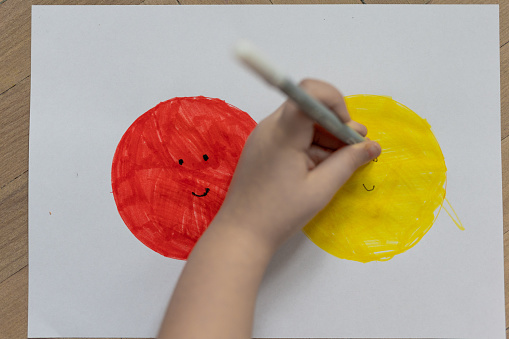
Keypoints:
pixel 339 95
pixel 322 90
pixel 354 160
pixel 307 83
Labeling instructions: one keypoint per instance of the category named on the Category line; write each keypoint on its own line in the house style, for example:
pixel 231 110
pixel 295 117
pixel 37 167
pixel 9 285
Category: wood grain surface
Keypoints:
pixel 14 125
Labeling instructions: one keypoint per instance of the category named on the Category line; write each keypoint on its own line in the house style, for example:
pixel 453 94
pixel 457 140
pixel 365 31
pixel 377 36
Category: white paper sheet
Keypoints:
pixel 96 69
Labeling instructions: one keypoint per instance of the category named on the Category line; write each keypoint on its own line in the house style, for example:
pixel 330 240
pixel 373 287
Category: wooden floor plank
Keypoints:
pixel 87 2
pixel 504 90
pixel 341 2
pixel 223 2
pixel 160 2
pixel 504 22
pixel 13 227
pixel 14 117
pixel 505 185
pixel 464 2
pixel 14 42
pixel 506 280
pixel 404 2
pixel 14 305
pixel 14 107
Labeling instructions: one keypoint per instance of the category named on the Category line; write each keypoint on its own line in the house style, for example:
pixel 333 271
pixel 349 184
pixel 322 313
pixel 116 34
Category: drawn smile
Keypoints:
pixel 362 185
pixel 201 195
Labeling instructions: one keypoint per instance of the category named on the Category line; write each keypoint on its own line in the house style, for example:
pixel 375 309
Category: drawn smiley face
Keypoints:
pixel 207 190
pixel 373 187
pixel 172 168
pixel 388 205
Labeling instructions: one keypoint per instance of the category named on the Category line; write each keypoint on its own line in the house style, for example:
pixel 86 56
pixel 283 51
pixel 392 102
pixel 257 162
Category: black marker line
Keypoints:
pixel 370 189
pixel 202 195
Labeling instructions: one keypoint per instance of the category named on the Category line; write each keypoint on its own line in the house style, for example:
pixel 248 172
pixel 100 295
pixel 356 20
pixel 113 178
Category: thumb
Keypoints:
pixel 334 171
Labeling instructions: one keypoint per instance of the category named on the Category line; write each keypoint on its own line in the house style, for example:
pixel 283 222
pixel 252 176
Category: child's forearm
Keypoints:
pixel 216 293
pixel 288 171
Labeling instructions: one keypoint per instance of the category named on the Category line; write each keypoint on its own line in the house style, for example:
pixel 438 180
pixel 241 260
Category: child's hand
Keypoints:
pixel 288 171
pixel 291 168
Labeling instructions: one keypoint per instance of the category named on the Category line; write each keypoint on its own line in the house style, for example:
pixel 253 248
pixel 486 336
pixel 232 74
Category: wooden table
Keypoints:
pixel 15 17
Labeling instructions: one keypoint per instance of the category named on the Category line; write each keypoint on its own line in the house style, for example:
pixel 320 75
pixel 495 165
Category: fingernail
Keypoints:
pixel 373 149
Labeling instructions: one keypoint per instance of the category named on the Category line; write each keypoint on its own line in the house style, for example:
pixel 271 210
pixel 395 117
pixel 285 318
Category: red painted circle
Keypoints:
pixel 172 168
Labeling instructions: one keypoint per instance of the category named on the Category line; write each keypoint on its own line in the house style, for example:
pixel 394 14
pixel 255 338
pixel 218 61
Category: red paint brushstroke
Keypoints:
pixel 172 168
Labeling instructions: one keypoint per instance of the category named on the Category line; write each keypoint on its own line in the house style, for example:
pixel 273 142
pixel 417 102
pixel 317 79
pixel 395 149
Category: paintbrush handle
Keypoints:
pixel 313 108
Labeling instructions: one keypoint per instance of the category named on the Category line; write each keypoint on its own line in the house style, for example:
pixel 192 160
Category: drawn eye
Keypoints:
pixel 205 157
pixel 181 161
pixel 375 160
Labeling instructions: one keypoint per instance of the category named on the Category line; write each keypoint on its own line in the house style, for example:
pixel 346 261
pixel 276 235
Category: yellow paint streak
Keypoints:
pixel 409 180
pixel 455 219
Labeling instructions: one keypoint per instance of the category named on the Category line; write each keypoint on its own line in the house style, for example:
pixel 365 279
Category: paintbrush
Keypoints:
pixel 318 112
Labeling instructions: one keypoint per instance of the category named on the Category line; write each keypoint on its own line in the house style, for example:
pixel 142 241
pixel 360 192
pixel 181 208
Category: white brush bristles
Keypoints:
pixel 253 58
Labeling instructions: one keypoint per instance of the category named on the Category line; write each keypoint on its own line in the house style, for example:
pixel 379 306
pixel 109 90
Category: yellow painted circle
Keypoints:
pixel 388 205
